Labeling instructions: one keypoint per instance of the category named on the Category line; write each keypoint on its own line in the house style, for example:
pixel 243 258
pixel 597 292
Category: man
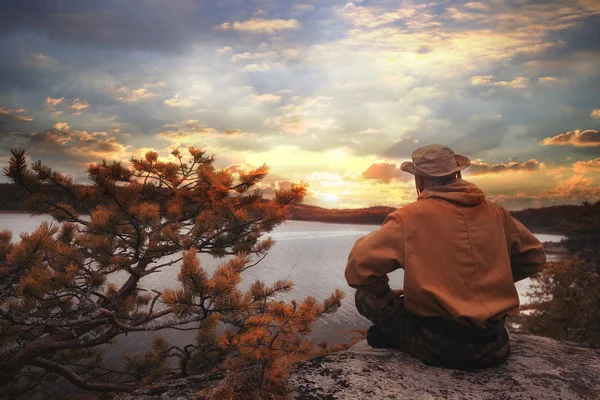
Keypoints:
pixel 461 255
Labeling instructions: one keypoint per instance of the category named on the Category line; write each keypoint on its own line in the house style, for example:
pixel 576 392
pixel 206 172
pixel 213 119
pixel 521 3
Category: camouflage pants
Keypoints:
pixel 433 340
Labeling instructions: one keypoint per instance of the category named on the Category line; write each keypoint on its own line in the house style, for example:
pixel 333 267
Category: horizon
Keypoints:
pixel 337 94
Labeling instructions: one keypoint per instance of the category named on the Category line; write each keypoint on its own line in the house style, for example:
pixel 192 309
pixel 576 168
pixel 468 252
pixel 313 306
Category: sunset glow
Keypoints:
pixel 336 94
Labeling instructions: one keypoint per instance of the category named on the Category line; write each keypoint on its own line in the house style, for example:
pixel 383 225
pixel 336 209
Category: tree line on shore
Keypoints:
pixel 544 219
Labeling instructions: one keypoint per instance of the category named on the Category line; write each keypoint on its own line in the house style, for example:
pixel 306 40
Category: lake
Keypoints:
pixel 311 254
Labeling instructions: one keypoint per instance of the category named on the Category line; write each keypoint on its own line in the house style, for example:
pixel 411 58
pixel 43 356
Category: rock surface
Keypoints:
pixel 539 368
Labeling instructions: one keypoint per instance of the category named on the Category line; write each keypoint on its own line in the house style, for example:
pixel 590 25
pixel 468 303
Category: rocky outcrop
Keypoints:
pixel 539 368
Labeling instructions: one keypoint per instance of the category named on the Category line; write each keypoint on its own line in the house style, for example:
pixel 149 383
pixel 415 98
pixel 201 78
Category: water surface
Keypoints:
pixel 311 254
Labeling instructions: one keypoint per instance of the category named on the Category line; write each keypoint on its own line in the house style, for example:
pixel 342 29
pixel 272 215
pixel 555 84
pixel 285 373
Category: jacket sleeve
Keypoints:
pixel 375 255
pixel 527 256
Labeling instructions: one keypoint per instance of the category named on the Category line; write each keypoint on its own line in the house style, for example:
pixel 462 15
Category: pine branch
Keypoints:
pixel 75 379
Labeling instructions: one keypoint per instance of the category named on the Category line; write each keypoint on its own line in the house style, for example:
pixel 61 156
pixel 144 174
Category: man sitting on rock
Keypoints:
pixel 461 255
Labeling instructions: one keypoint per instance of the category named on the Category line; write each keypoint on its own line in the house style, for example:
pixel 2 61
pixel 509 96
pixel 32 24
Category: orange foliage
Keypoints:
pixel 59 303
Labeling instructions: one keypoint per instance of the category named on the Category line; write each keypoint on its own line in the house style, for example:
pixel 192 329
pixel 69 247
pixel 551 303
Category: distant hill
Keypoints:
pixel 541 220
pixel 370 216
pixel 552 219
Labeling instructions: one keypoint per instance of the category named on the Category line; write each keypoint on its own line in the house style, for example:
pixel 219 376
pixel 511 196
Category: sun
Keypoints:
pixel 330 198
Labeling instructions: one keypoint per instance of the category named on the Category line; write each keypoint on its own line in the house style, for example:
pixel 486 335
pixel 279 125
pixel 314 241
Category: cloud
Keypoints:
pixel 489 80
pixel 116 24
pixel 291 54
pixel 255 56
pixel 481 168
pixel 267 98
pixel 61 143
pixel 383 171
pixel 372 17
pixel 59 105
pixel 133 95
pixel 402 148
pixel 574 188
pixel 178 101
pixel 10 114
pixel 21 118
pixel 190 124
pixel 237 168
pixel 302 8
pixel 54 102
pixel 587 138
pixel 259 25
pixel 196 132
pixel 595 113
pixel 79 104
pixel 548 79
pixel 370 131
pixel 62 126
pixel 303 115
pixel 582 166
pixel 40 61
pixel 257 67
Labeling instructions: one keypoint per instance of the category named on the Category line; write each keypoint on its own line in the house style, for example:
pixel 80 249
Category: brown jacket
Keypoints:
pixel 461 255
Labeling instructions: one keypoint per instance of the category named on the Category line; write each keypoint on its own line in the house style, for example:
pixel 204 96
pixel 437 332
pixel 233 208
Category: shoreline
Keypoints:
pixel 535 231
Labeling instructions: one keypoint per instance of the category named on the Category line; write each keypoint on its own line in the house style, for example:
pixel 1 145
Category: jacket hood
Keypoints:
pixel 459 191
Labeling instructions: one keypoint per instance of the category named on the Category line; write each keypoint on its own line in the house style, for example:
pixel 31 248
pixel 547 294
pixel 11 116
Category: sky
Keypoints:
pixel 334 93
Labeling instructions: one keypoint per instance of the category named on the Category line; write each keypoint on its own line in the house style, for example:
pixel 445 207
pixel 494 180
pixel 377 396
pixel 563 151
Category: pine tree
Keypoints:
pixel 57 309
pixel 566 302
pixel 566 295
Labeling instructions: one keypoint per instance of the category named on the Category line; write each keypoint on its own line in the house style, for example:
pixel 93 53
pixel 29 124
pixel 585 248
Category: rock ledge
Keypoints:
pixel 539 368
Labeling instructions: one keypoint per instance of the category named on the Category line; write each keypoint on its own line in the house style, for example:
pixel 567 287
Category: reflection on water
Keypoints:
pixel 313 255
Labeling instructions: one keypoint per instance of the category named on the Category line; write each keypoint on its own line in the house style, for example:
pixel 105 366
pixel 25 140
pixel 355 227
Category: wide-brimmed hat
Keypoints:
pixel 435 160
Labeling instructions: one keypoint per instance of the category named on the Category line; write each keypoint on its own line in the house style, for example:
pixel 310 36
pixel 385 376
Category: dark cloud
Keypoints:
pixel 152 25
pixel 403 147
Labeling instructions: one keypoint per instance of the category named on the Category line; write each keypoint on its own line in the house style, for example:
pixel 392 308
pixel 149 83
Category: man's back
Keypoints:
pixel 457 255
pixel 461 255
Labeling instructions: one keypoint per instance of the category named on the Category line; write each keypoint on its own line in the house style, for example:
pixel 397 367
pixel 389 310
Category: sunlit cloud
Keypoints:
pixel 384 171
pixel 255 56
pixel 133 95
pixel 267 98
pixel 257 67
pixel 574 188
pixel 587 138
pixel 178 101
pixel 260 25
pixel 595 113
pixel 490 80
pixel 371 17
pixel 14 114
pixel 79 105
pixel 370 131
pixel 583 166
pixel 54 102
pixel 548 79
